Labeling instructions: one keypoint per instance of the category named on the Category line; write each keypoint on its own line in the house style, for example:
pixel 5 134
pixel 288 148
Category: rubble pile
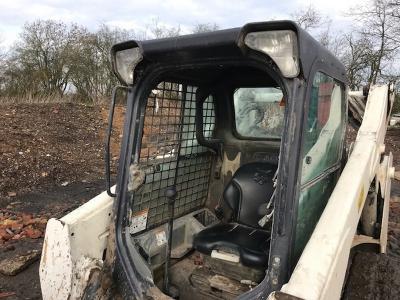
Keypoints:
pixel 15 226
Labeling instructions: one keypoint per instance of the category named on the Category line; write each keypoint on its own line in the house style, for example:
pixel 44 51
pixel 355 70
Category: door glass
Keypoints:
pixel 324 127
pixel 323 137
pixel 311 204
pixel 259 112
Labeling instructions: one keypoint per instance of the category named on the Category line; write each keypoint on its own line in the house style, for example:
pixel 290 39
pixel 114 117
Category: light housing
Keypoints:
pixel 124 63
pixel 280 45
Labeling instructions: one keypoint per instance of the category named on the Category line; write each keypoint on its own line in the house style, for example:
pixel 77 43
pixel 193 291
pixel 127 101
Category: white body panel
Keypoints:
pixel 73 246
pixel 320 271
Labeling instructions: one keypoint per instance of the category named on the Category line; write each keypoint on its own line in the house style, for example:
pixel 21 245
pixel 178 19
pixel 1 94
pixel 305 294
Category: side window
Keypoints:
pixel 259 112
pixel 322 141
pixel 324 127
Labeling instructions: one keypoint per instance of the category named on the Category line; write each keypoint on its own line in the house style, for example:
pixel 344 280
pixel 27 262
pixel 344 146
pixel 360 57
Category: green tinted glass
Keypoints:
pixel 324 127
pixel 323 137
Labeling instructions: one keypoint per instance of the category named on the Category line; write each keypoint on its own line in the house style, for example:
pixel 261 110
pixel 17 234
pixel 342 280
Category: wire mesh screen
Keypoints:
pixel 170 153
pixel 208 117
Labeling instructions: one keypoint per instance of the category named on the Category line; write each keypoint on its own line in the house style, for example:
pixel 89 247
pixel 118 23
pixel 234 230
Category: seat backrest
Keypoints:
pixel 250 187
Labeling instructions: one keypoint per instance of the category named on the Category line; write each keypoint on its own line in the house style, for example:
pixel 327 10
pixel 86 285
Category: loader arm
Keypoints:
pixel 320 271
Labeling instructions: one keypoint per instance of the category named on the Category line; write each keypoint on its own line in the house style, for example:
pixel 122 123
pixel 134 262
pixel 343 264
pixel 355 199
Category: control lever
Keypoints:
pixel 170 194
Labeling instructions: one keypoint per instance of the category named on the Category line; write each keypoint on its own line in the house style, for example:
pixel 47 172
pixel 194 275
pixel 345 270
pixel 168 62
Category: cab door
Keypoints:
pixel 322 147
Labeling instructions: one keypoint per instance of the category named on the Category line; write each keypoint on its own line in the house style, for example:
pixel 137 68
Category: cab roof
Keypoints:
pixel 229 44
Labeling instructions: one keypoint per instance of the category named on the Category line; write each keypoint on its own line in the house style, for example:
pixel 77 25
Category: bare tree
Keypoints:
pixel 2 67
pixel 2 54
pixel 205 27
pixel 356 59
pixel 308 18
pixel 333 41
pixel 394 6
pixel 158 30
pixel 318 25
pixel 42 56
pixel 91 72
pixel 376 24
pixel 56 58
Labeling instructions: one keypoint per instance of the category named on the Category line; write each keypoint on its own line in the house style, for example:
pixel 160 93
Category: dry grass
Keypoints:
pixel 29 99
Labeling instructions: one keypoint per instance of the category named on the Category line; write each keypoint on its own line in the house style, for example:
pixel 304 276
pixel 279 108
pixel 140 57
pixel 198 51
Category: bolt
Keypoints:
pixel 276 262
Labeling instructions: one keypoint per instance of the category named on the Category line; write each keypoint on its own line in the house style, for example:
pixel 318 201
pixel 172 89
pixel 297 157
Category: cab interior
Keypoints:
pixel 214 134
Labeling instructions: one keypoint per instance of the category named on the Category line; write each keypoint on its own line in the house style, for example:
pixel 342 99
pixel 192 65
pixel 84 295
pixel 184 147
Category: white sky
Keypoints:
pixel 137 14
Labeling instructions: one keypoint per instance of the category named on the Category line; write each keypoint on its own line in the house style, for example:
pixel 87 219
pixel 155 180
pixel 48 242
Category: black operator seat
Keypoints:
pixel 250 188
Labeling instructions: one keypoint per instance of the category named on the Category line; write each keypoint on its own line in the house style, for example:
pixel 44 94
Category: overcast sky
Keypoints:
pixel 137 15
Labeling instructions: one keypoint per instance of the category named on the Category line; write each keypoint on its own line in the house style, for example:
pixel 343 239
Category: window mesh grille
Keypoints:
pixel 169 130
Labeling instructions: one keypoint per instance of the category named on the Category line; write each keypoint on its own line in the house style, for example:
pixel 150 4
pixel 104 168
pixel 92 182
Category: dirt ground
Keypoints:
pixel 51 161
pixel 376 276
pixel 393 145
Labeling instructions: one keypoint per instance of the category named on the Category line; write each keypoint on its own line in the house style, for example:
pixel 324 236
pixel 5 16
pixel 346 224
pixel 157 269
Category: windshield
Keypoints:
pixel 259 112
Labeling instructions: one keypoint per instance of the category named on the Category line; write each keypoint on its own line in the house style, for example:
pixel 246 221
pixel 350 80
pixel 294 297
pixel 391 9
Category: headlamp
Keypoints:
pixel 280 45
pixel 125 61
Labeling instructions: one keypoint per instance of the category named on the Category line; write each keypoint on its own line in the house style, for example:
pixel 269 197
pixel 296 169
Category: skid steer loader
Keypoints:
pixel 234 178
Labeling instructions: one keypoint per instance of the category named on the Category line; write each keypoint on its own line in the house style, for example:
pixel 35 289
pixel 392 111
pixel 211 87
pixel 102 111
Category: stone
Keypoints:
pixel 14 265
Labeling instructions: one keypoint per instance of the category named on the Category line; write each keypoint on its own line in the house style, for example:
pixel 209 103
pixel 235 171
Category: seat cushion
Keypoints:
pixel 252 245
pixel 251 187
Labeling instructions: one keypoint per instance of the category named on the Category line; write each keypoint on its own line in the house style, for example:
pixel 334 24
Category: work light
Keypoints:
pixel 280 45
pixel 125 62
